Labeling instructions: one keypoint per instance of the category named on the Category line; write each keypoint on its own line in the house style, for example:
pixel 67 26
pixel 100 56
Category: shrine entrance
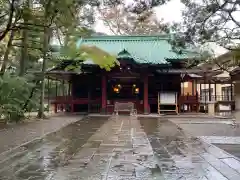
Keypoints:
pixel 125 89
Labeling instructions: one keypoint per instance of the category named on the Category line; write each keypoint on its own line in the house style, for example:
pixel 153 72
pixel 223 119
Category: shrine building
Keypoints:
pixel 148 66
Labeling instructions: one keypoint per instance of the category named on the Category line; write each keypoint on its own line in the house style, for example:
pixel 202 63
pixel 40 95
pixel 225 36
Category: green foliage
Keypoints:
pixel 87 53
pixel 211 21
pixel 98 56
pixel 14 92
pixel 28 20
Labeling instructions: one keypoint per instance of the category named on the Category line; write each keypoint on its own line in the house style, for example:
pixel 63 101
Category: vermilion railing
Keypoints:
pixel 191 101
pixel 188 99
pixel 62 101
pixel 69 100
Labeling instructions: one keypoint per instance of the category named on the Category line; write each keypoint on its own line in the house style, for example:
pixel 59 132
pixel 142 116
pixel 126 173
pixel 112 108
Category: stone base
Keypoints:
pixel 103 111
pixel 211 109
pixel 146 111
pixel 236 115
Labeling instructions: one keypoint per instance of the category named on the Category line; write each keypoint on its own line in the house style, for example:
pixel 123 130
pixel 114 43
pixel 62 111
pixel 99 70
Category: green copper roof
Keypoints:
pixel 143 49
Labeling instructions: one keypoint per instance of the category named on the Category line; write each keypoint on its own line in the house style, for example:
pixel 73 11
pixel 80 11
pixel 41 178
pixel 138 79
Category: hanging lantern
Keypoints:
pixel 136 90
pixel 116 90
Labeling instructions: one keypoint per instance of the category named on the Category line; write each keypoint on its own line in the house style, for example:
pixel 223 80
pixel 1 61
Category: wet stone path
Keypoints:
pixel 119 148
pixel 12 136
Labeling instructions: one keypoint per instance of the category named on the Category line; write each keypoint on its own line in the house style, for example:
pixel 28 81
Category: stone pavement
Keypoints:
pixel 22 133
pixel 119 148
pixel 223 133
pixel 202 126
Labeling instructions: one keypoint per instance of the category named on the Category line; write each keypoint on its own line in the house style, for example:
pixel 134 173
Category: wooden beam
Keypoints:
pixel 188 71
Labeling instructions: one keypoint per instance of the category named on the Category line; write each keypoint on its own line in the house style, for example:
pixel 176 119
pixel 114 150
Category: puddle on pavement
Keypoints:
pixel 40 158
pixel 166 140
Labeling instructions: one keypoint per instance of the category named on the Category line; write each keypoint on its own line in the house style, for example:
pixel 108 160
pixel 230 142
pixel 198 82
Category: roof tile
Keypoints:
pixel 143 49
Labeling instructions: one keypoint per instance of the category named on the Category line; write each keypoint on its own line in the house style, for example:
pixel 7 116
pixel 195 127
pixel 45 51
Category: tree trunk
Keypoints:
pixel 24 49
pixel 44 63
pixel 24 52
pixel 46 40
pixel 6 54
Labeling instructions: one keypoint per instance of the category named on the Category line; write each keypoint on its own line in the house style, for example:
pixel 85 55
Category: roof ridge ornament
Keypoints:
pixel 124 54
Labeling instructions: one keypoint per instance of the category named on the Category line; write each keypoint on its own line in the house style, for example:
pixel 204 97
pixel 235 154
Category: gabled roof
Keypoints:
pixel 143 49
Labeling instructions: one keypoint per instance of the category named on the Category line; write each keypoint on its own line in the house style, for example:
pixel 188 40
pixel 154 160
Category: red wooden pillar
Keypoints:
pixel 145 94
pixel 104 94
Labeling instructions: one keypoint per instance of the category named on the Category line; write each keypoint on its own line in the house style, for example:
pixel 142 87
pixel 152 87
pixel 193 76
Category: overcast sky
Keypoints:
pixel 170 12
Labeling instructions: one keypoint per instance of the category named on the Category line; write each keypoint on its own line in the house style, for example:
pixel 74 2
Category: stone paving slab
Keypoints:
pixel 199 121
pixel 221 139
pixel 233 163
pixel 120 148
pixel 213 129
pixel 222 167
pixel 201 115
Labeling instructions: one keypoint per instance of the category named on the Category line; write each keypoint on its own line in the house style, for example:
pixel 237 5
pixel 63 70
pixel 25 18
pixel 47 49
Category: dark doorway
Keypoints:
pixel 123 89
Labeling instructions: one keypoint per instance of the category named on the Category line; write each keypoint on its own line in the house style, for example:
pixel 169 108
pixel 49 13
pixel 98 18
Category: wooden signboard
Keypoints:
pixel 166 99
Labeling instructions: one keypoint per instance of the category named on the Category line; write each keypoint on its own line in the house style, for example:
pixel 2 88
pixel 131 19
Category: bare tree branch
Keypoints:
pixel 234 20
pixel 107 22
